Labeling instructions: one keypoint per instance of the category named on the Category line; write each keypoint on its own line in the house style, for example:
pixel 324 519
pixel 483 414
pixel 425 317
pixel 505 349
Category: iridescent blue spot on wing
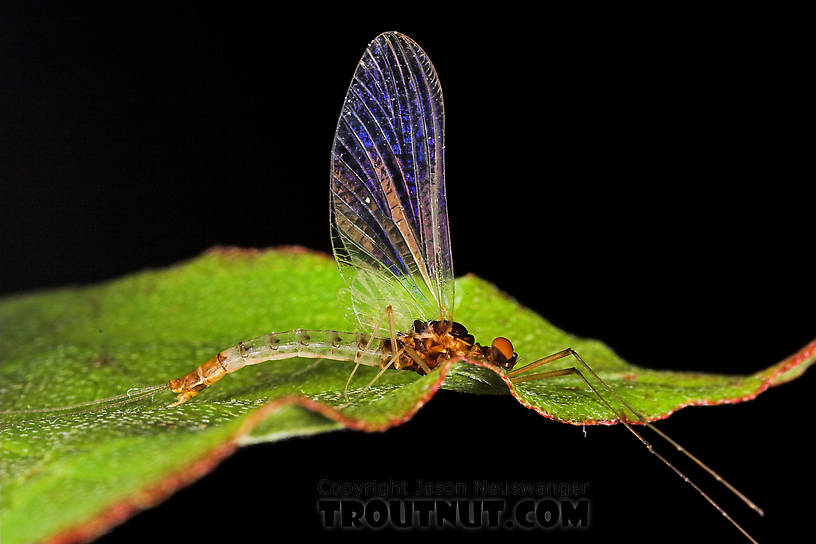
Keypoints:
pixel 389 213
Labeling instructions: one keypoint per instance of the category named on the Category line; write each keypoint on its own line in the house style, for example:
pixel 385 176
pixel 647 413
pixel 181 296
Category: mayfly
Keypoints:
pixel 391 241
pixel 390 236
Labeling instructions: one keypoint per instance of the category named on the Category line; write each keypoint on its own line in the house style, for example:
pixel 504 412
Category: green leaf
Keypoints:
pixel 73 474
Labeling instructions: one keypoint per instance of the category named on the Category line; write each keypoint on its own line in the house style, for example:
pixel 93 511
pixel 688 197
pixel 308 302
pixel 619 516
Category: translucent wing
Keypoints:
pixel 389 213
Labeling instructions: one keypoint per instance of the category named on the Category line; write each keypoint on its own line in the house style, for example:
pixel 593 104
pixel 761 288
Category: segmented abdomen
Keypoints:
pixel 314 344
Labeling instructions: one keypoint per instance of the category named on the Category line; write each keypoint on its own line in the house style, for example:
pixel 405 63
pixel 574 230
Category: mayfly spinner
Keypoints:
pixel 390 237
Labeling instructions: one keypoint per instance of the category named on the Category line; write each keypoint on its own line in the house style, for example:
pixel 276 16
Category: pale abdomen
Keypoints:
pixel 313 344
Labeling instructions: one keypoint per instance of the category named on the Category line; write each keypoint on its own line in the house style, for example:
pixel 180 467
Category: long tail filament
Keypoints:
pixel 133 395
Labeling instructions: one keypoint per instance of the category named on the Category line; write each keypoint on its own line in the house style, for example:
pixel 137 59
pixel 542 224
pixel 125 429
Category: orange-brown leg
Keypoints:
pixel 389 313
pixel 516 378
pixel 535 364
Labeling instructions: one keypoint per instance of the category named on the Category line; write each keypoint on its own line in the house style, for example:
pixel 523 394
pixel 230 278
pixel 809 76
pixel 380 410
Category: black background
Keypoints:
pixel 633 177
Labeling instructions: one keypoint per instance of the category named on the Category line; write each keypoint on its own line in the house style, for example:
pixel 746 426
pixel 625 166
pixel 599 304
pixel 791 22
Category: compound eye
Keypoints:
pixel 502 350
